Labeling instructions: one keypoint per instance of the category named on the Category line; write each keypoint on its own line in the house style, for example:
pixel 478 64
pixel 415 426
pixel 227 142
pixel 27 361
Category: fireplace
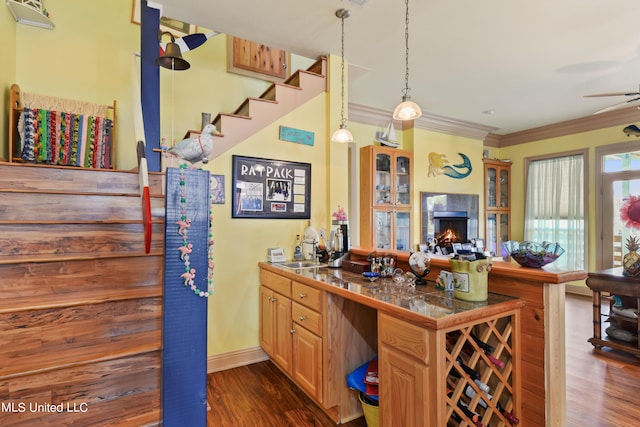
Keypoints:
pixel 450 227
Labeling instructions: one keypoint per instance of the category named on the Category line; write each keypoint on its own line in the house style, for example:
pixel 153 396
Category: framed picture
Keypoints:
pixel 175 27
pixel 216 189
pixel 267 188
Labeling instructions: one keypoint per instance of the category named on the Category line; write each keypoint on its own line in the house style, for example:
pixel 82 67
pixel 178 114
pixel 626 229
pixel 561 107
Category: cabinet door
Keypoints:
pixel 402 221
pixel 504 187
pixel 383 231
pixel 256 59
pixel 402 181
pixel 492 187
pixel 282 343
pixel 267 321
pixel 498 232
pixel 383 184
pixel 307 361
pixel 403 382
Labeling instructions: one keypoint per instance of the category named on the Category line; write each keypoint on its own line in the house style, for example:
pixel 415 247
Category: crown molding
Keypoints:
pixel 379 117
pixel 623 116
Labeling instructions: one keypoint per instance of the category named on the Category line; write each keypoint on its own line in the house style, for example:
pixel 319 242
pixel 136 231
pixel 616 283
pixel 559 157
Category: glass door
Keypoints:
pixel 403 181
pixel 620 179
pixel 383 229
pixel 383 179
pixel 618 233
pixel 402 231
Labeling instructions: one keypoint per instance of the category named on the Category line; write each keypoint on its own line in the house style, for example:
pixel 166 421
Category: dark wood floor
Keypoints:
pixel 603 387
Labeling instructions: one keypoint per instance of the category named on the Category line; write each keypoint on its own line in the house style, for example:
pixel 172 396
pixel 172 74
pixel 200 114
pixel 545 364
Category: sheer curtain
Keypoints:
pixel 554 210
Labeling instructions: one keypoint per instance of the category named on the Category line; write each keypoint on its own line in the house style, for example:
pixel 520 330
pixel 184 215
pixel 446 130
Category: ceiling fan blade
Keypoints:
pixel 621 104
pixel 613 94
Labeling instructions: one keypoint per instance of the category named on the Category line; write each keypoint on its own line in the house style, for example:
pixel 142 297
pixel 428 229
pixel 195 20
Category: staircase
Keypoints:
pixel 279 99
pixel 80 300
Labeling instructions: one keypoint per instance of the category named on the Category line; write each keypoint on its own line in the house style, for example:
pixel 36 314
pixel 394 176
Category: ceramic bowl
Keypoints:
pixel 532 254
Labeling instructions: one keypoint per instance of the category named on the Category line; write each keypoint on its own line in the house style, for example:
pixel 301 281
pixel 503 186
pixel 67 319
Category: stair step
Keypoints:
pixel 244 108
pixel 318 67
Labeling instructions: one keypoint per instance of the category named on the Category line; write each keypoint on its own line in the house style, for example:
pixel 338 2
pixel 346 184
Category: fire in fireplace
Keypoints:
pixel 450 227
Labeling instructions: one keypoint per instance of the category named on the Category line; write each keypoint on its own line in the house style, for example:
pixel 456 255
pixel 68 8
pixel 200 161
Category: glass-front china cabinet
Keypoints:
pixel 386 198
pixel 497 174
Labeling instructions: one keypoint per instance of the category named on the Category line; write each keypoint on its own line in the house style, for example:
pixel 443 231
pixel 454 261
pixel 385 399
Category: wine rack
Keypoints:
pixel 480 372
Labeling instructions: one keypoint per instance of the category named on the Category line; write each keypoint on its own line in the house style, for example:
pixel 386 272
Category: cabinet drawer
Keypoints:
pixel 280 284
pixel 306 317
pixel 306 295
pixel 404 336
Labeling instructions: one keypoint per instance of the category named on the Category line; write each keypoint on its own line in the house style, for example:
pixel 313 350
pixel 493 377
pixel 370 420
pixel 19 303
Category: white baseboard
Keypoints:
pixel 578 290
pixel 221 362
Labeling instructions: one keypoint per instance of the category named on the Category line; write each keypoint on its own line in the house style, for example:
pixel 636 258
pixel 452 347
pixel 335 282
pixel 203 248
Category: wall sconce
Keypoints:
pixel 172 58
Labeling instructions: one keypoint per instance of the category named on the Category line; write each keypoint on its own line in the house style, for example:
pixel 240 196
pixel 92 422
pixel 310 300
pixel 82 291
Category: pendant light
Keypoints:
pixel 342 135
pixel 407 109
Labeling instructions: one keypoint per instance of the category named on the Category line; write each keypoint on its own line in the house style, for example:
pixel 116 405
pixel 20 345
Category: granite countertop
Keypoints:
pixel 440 309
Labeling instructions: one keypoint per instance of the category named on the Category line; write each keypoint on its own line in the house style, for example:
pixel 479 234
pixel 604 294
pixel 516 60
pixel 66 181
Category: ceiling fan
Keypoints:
pixel 635 97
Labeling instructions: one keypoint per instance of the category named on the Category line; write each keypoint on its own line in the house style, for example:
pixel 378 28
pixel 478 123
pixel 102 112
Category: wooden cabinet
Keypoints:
pixel 497 204
pixel 275 316
pixel 628 291
pixel 449 368
pixel 257 60
pixel 386 199
pixel 291 329
pixel 307 339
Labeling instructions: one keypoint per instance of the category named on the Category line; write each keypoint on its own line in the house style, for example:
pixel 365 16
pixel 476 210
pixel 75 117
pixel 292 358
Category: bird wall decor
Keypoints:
pixel 631 130
pixel 197 148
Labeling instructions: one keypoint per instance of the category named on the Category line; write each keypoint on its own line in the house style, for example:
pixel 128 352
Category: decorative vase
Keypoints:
pixel 631 260
pixel 206 119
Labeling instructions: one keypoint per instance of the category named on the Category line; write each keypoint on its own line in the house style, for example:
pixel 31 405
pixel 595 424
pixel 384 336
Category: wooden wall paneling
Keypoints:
pixel 76 239
pixel 34 285
pixel 80 300
pixel 47 207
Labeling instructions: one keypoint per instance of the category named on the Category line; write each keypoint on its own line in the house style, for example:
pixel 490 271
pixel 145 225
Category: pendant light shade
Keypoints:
pixel 342 135
pixel 172 58
pixel 407 109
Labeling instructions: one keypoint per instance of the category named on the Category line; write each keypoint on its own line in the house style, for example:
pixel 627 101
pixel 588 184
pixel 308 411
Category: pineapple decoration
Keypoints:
pixel 630 216
pixel 631 260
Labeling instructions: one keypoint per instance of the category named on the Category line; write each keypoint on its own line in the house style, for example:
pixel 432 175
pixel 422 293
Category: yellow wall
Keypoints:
pixel 241 243
pixel 7 72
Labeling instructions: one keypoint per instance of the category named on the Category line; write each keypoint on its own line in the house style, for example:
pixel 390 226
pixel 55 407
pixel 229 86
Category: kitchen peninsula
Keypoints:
pixel 542 333
pixel 319 324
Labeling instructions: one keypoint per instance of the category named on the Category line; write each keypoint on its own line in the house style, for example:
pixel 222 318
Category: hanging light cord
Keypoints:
pixel 406 56
pixel 342 119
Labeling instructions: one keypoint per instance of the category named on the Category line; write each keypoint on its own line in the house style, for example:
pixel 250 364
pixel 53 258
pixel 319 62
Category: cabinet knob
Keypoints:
pixel 293 331
pixel 302 318
pixel 302 296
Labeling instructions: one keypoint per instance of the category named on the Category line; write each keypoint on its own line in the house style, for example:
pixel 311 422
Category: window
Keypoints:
pixel 555 206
